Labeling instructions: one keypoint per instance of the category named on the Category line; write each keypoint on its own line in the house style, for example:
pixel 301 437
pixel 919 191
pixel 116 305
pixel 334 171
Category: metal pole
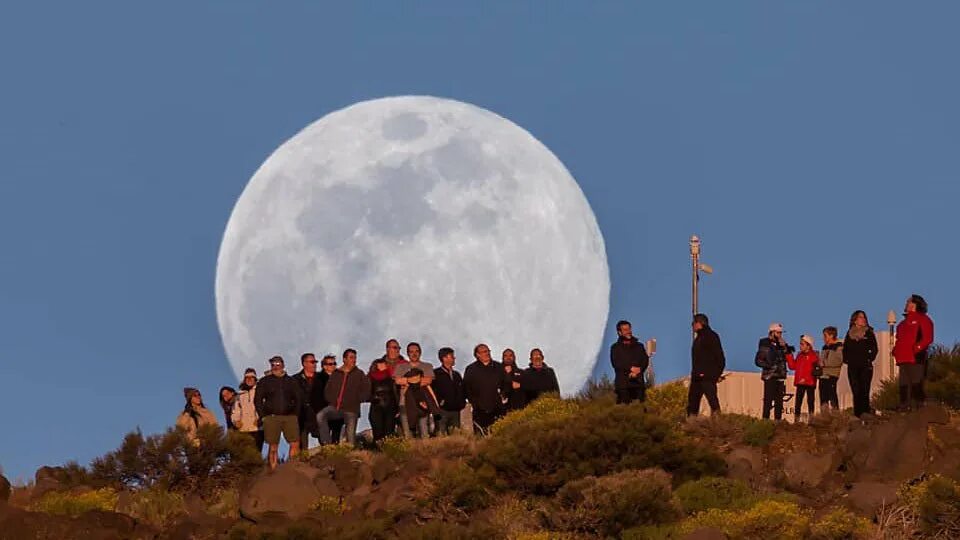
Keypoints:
pixel 695 256
pixel 891 321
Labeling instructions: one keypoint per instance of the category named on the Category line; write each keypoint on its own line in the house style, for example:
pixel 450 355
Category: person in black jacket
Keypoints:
pixel 384 400
pixel 630 361
pixel 318 402
pixel 539 378
pixel 859 351
pixel 484 384
pixel 707 365
pixel 279 400
pixel 448 387
pixel 513 397
pixel 307 378
pixel 772 357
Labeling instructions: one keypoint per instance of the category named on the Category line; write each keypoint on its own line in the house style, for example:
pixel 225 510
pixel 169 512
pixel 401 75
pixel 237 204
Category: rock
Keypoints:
pixel 46 479
pixel 290 491
pixel 745 463
pixel 868 497
pixel 381 468
pixel 5 489
pixel 803 471
pixel 706 533
pixel 945 451
pixel 897 450
pixel 933 414
pixel 17 524
pixel 325 486
pixel 349 474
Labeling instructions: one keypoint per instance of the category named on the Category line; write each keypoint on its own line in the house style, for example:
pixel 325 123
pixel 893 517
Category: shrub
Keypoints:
pixel 461 486
pixel 172 461
pixel 330 505
pixel 668 400
pixel 935 504
pixel 74 504
pixel 518 518
pixel 652 532
pixel 943 378
pixel 758 432
pixel 610 504
pixel 841 524
pixel 712 492
pixel 887 397
pixel 539 451
pixel 439 530
pixel 766 520
pixel 594 390
pixel 157 506
pixel 395 447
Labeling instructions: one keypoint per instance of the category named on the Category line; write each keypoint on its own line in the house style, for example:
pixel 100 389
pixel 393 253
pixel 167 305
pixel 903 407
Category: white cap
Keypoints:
pixel 808 339
pixel 776 327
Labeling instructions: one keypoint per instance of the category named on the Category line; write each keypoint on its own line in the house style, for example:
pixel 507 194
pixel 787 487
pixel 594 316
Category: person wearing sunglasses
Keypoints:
pixel 195 415
pixel 307 379
pixel 318 401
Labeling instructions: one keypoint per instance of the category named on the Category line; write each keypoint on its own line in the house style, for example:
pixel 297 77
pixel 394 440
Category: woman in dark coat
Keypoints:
pixel 859 351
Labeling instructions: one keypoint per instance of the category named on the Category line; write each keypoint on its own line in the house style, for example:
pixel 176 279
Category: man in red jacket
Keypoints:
pixel 914 337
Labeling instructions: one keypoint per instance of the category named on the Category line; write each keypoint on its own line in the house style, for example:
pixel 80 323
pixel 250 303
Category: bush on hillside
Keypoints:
pixel 155 506
pixel 713 492
pixel 943 378
pixel 766 520
pixel 934 505
pixel 538 451
pixel 73 504
pixel 439 530
pixel 668 401
pixel 841 524
pixel 887 397
pixel 172 461
pixel 607 505
pixel 461 486
pixel 597 389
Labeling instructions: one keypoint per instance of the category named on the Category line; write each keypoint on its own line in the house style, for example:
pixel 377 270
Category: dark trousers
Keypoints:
pixel 828 392
pixel 482 420
pixel 700 388
pixel 383 421
pixel 860 378
pixel 804 391
pixel 446 422
pixel 773 391
pixel 257 438
pixel 626 396
pixel 910 381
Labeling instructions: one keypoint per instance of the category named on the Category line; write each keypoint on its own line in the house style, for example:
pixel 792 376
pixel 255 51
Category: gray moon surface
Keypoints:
pixel 419 218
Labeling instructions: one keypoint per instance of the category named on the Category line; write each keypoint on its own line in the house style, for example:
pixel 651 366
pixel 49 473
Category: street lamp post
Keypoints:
pixel 697 268
pixel 891 321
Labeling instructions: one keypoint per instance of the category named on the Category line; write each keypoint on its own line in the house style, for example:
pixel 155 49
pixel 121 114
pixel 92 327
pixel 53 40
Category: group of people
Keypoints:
pixel 407 397
pixel 858 350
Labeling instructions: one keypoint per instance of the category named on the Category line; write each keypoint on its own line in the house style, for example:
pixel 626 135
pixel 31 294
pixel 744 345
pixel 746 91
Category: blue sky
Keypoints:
pixel 813 145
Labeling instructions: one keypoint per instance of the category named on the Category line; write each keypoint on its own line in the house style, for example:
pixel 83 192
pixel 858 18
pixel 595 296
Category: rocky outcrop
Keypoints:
pixel 869 497
pixel 291 491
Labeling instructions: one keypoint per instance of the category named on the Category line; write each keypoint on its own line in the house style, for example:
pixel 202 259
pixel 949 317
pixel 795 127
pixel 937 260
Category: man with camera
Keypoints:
pixel 773 354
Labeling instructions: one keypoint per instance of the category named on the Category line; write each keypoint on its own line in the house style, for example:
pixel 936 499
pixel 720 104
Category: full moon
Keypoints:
pixel 416 218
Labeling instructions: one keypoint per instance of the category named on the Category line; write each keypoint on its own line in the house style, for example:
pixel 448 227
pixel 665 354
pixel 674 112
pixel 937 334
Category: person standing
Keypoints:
pixel 383 400
pixel 911 352
pixel 307 379
pixel 773 353
pixel 400 369
pixel 317 399
pixel 347 388
pixel 484 384
pixel 279 401
pixel 195 415
pixel 448 387
pixel 420 403
pixel 803 365
pixel 707 365
pixel 227 397
pixel 859 351
pixel 244 414
pixel 831 360
pixel 513 398
pixel 630 362
pixel 538 379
